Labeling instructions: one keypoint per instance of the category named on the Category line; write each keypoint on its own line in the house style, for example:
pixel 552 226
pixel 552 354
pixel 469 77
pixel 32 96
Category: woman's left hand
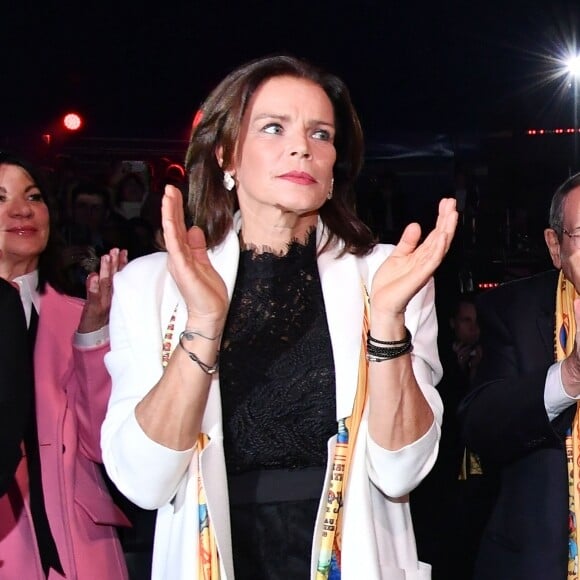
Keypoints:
pixel 411 264
pixel 100 291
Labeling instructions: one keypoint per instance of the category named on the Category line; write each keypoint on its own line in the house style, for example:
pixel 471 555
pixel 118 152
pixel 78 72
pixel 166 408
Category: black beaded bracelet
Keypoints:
pixel 405 340
pixel 207 369
pixel 395 349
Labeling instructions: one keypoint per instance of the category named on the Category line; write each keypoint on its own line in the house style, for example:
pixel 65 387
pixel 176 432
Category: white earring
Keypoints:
pixel 329 196
pixel 229 182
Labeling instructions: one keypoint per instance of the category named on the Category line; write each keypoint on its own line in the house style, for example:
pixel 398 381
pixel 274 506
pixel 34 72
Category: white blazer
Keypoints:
pixel 378 539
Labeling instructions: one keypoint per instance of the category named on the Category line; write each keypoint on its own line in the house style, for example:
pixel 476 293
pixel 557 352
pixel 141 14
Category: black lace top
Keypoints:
pixel 276 366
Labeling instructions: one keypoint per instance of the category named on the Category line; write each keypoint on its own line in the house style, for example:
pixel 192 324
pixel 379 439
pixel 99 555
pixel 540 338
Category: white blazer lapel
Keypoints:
pixel 171 302
pixel 225 259
pixel 343 301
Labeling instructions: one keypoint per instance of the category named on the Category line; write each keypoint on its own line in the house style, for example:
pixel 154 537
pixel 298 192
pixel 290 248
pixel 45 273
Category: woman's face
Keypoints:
pixel 285 152
pixel 24 218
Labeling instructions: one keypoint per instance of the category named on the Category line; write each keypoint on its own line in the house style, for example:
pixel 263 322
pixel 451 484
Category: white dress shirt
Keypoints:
pixel 556 399
pixel 30 297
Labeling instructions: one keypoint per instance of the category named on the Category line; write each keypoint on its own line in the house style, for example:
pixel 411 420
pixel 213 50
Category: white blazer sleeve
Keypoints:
pixel 396 473
pixel 144 471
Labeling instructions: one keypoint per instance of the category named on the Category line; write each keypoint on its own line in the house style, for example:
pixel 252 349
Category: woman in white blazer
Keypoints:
pixel 236 354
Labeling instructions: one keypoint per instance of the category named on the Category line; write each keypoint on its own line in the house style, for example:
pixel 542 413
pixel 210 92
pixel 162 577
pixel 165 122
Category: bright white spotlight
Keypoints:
pixel 573 66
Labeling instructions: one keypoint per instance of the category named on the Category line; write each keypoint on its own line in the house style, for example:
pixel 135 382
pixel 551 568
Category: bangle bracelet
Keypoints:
pixel 189 334
pixel 371 357
pixel 397 348
pixel 207 369
pixel 391 342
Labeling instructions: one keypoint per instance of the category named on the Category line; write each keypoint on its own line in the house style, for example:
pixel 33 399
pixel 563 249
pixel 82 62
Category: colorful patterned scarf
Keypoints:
pixel 328 567
pixel 209 568
pixel 329 564
pixel 563 345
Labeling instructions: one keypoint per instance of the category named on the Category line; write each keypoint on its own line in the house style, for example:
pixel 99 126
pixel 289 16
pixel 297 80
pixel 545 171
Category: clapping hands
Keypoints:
pixel 411 263
pixel 100 291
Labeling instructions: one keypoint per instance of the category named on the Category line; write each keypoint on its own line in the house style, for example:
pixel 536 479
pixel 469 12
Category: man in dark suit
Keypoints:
pixel 16 382
pixel 522 406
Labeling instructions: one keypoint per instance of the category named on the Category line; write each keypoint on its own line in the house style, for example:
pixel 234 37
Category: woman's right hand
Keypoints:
pixel 202 288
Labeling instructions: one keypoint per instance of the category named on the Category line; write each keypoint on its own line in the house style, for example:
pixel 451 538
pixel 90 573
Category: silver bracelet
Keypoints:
pixel 207 369
pixel 189 334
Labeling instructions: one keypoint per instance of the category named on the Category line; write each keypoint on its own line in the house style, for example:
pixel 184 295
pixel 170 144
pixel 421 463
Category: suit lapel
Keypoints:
pixel 343 301
pixel 32 328
pixel 545 320
pixel 225 259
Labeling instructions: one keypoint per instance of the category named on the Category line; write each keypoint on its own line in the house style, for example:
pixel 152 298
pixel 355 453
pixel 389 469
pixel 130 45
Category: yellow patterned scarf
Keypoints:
pixel 329 561
pixel 209 568
pixel 563 345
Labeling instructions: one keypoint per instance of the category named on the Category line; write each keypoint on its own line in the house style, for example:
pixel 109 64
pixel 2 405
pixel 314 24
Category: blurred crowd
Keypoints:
pixel 115 205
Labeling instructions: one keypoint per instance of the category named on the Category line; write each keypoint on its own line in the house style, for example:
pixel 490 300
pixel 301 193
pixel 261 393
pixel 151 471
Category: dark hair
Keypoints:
pixel 220 118
pixel 465 298
pixel 127 178
pixel 557 206
pixel 91 188
pixel 49 261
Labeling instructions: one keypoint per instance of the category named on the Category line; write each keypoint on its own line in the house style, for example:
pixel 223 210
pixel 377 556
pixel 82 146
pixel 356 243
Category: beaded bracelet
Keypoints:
pixel 207 369
pixel 393 348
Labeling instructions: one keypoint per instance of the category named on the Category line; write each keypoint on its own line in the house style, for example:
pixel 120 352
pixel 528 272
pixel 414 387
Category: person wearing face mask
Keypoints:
pixel 130 195
pixel 521 417
pixel 274 370
pixel 57 519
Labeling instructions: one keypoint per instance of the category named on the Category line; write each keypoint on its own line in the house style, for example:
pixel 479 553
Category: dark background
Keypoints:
pixel 135 70
pixel 436 84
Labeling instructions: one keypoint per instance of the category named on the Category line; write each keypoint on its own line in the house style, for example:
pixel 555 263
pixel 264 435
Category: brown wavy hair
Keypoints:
pixel 218 126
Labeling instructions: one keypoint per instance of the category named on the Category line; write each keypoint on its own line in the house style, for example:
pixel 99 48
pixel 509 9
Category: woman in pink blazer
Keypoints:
pixel 57 519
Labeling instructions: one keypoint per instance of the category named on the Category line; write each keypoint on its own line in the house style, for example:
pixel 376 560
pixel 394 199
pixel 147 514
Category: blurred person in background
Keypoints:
pixel 448 530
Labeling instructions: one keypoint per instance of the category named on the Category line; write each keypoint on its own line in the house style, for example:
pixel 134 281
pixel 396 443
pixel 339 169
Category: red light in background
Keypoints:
pixel 197 119
pixel 487 285
pixel 559 131
pixel 72 121
pixel 47 138
pixel 175 169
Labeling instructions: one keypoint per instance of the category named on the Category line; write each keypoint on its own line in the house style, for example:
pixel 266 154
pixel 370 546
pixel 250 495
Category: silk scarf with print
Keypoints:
pixel 209 568
pixel 565 334
pixel 329 560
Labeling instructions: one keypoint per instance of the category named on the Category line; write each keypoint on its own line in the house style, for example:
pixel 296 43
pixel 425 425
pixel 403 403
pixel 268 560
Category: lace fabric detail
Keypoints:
pixel 276 366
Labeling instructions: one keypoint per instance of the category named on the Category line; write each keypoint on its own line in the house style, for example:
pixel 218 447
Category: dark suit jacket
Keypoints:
pixel 505 421
pixel 16 382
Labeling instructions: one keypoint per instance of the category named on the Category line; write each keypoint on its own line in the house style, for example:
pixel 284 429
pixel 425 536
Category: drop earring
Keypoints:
pixel 229 182
pixel 329 196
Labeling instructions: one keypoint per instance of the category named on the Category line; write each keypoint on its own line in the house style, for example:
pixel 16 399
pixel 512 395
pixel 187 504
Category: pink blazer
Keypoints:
pixel 72 392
